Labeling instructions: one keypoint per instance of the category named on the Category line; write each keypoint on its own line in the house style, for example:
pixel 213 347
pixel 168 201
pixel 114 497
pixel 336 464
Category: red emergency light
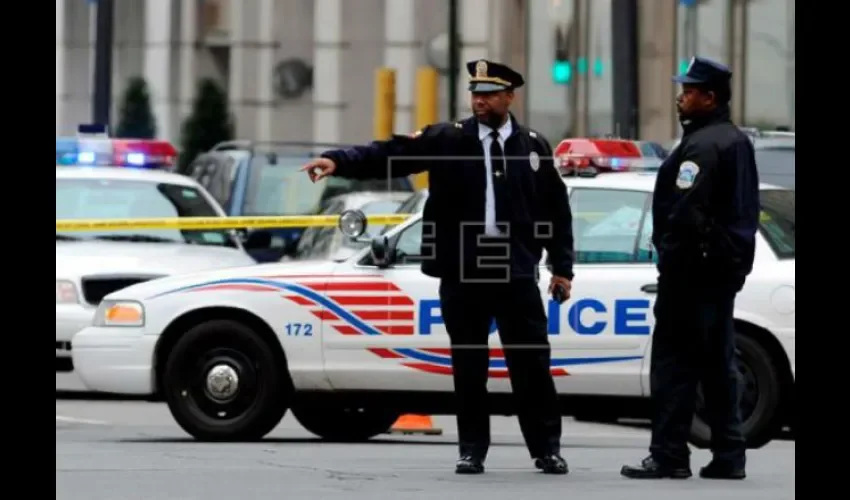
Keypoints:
pixel 588 157
pixel 132 152
pixel 100 151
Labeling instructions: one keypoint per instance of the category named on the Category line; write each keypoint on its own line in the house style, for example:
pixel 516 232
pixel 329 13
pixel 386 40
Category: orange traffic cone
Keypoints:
pixel 415 424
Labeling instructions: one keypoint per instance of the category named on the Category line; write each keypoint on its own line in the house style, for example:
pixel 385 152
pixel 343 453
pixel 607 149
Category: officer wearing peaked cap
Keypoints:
pixel 705 213
pixel 495 202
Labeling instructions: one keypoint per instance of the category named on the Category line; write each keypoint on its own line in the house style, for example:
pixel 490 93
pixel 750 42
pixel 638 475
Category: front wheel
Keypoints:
pixel 761 397
pixel 222 382
pixel 344 424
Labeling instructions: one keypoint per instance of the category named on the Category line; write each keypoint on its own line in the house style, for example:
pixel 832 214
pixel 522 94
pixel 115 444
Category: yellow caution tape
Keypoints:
pixel 201 223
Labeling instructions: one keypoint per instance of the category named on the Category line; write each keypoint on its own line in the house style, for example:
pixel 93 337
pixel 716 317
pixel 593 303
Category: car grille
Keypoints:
pixel 96 288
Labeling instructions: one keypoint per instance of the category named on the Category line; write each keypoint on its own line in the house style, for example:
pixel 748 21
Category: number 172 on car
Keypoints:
pixel 299 330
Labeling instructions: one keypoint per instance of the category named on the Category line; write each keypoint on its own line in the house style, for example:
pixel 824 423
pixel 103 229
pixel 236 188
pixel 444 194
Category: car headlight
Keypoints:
pixel 119 313
pixel 66 292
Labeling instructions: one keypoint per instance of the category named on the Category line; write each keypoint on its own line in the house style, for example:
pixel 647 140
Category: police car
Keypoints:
pixel 349 345
pixel 776 152
pixel 101 178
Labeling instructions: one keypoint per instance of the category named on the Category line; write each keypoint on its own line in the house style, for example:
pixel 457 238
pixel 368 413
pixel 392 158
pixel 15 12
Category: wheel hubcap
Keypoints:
pixel 222 383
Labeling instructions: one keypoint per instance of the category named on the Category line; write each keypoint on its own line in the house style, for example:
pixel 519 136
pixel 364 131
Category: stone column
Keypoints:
pixel 327 70
pixel 401 54
pixel 60 65
pixel 188 56
pixel 266 58
pixel 475 35
pixel 656 65
pixel 158 63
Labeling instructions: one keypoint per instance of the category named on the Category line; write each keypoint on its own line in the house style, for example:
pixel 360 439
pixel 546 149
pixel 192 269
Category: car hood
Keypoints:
pixel 275 270
pixel 74 259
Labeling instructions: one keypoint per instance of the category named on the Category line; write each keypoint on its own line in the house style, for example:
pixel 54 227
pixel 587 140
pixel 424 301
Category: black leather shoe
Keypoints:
pixel 469 465
pixel 552 464
pixel 719 469
pixel 649 468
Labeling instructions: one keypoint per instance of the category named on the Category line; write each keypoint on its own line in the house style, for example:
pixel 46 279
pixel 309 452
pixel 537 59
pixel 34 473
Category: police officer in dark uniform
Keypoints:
pixel 496 200
pixel 705 214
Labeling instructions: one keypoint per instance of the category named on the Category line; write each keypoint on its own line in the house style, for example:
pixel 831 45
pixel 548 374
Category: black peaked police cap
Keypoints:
pixel 489 76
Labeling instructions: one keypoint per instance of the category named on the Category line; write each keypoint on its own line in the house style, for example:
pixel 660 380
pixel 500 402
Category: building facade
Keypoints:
pixel 304 70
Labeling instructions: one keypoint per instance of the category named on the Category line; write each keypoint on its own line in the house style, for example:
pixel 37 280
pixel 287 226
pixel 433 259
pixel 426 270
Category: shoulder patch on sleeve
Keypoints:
pixel 688 171
pixel 416 134
pixel 533 134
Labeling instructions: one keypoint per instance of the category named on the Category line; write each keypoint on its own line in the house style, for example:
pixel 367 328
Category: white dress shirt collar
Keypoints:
pixel 504 131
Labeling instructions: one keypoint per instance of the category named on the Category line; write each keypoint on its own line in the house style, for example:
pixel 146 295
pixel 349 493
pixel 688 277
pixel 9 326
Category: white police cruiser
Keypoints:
pixel 96 179
pixel 349 345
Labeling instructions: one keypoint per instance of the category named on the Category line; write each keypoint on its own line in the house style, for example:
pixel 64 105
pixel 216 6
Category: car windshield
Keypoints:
pixel 778 221
pixel 278 187
pixel 324 242
pixel 125 199
pixel 411 205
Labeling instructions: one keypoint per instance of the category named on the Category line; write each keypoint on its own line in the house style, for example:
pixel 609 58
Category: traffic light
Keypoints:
pixel 598 67
pixel 562 67
pixel 562 72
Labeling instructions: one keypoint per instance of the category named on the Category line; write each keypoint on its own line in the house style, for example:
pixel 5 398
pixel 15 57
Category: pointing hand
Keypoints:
pixel 319 168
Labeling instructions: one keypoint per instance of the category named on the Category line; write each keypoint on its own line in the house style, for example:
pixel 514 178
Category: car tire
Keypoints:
pixel 763 423
pixel 344 424
pixel 215 409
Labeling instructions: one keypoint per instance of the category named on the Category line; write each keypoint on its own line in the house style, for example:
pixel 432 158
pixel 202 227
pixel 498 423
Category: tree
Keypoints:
pixel 209 123
pixel 137 120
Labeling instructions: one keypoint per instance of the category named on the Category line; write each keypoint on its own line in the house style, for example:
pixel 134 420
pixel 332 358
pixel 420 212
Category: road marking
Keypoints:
pixel 74 420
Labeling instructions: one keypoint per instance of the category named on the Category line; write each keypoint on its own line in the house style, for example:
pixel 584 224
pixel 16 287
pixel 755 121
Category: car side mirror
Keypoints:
pixel 352 223
pixel 382 252
pixel 258 239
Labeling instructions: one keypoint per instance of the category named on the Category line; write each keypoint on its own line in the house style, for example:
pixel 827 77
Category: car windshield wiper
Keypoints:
pixel 65 237
pixel 144 238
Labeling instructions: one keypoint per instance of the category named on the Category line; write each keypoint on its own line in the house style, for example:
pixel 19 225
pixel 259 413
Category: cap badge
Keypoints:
pixel 481 69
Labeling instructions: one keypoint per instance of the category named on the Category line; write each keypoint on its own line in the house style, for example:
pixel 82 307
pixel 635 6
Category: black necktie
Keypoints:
pixel 500 186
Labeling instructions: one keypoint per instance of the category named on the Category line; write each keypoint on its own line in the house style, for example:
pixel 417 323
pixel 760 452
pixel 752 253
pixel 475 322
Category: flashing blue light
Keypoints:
pixel 91 149
pixel 66 151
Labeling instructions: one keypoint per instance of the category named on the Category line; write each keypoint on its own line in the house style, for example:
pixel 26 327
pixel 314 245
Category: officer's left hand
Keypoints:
pixel 565 284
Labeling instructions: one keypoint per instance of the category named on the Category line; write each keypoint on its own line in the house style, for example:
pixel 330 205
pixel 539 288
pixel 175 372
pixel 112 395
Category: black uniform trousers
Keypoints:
pixel 694 342
pixel 468 310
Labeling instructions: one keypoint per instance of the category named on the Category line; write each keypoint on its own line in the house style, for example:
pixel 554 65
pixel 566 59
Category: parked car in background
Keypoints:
pixel 253 178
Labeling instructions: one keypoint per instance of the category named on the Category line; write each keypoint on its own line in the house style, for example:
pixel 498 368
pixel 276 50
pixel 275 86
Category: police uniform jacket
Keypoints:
pixel 706 203
pixel 453 156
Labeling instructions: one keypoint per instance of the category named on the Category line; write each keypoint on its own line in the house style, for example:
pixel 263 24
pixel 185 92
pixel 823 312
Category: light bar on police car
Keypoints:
pixel 95 149
pixel 591 156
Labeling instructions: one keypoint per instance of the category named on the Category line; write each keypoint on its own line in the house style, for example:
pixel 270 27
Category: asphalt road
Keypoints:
pixel 126 450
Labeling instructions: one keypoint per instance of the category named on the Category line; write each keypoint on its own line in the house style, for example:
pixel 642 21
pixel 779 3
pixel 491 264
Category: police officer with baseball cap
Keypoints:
pixel 705 213
pixel 495 202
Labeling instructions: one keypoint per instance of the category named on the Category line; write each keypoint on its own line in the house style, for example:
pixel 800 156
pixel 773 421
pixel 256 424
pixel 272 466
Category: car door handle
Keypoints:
pixel 650 288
